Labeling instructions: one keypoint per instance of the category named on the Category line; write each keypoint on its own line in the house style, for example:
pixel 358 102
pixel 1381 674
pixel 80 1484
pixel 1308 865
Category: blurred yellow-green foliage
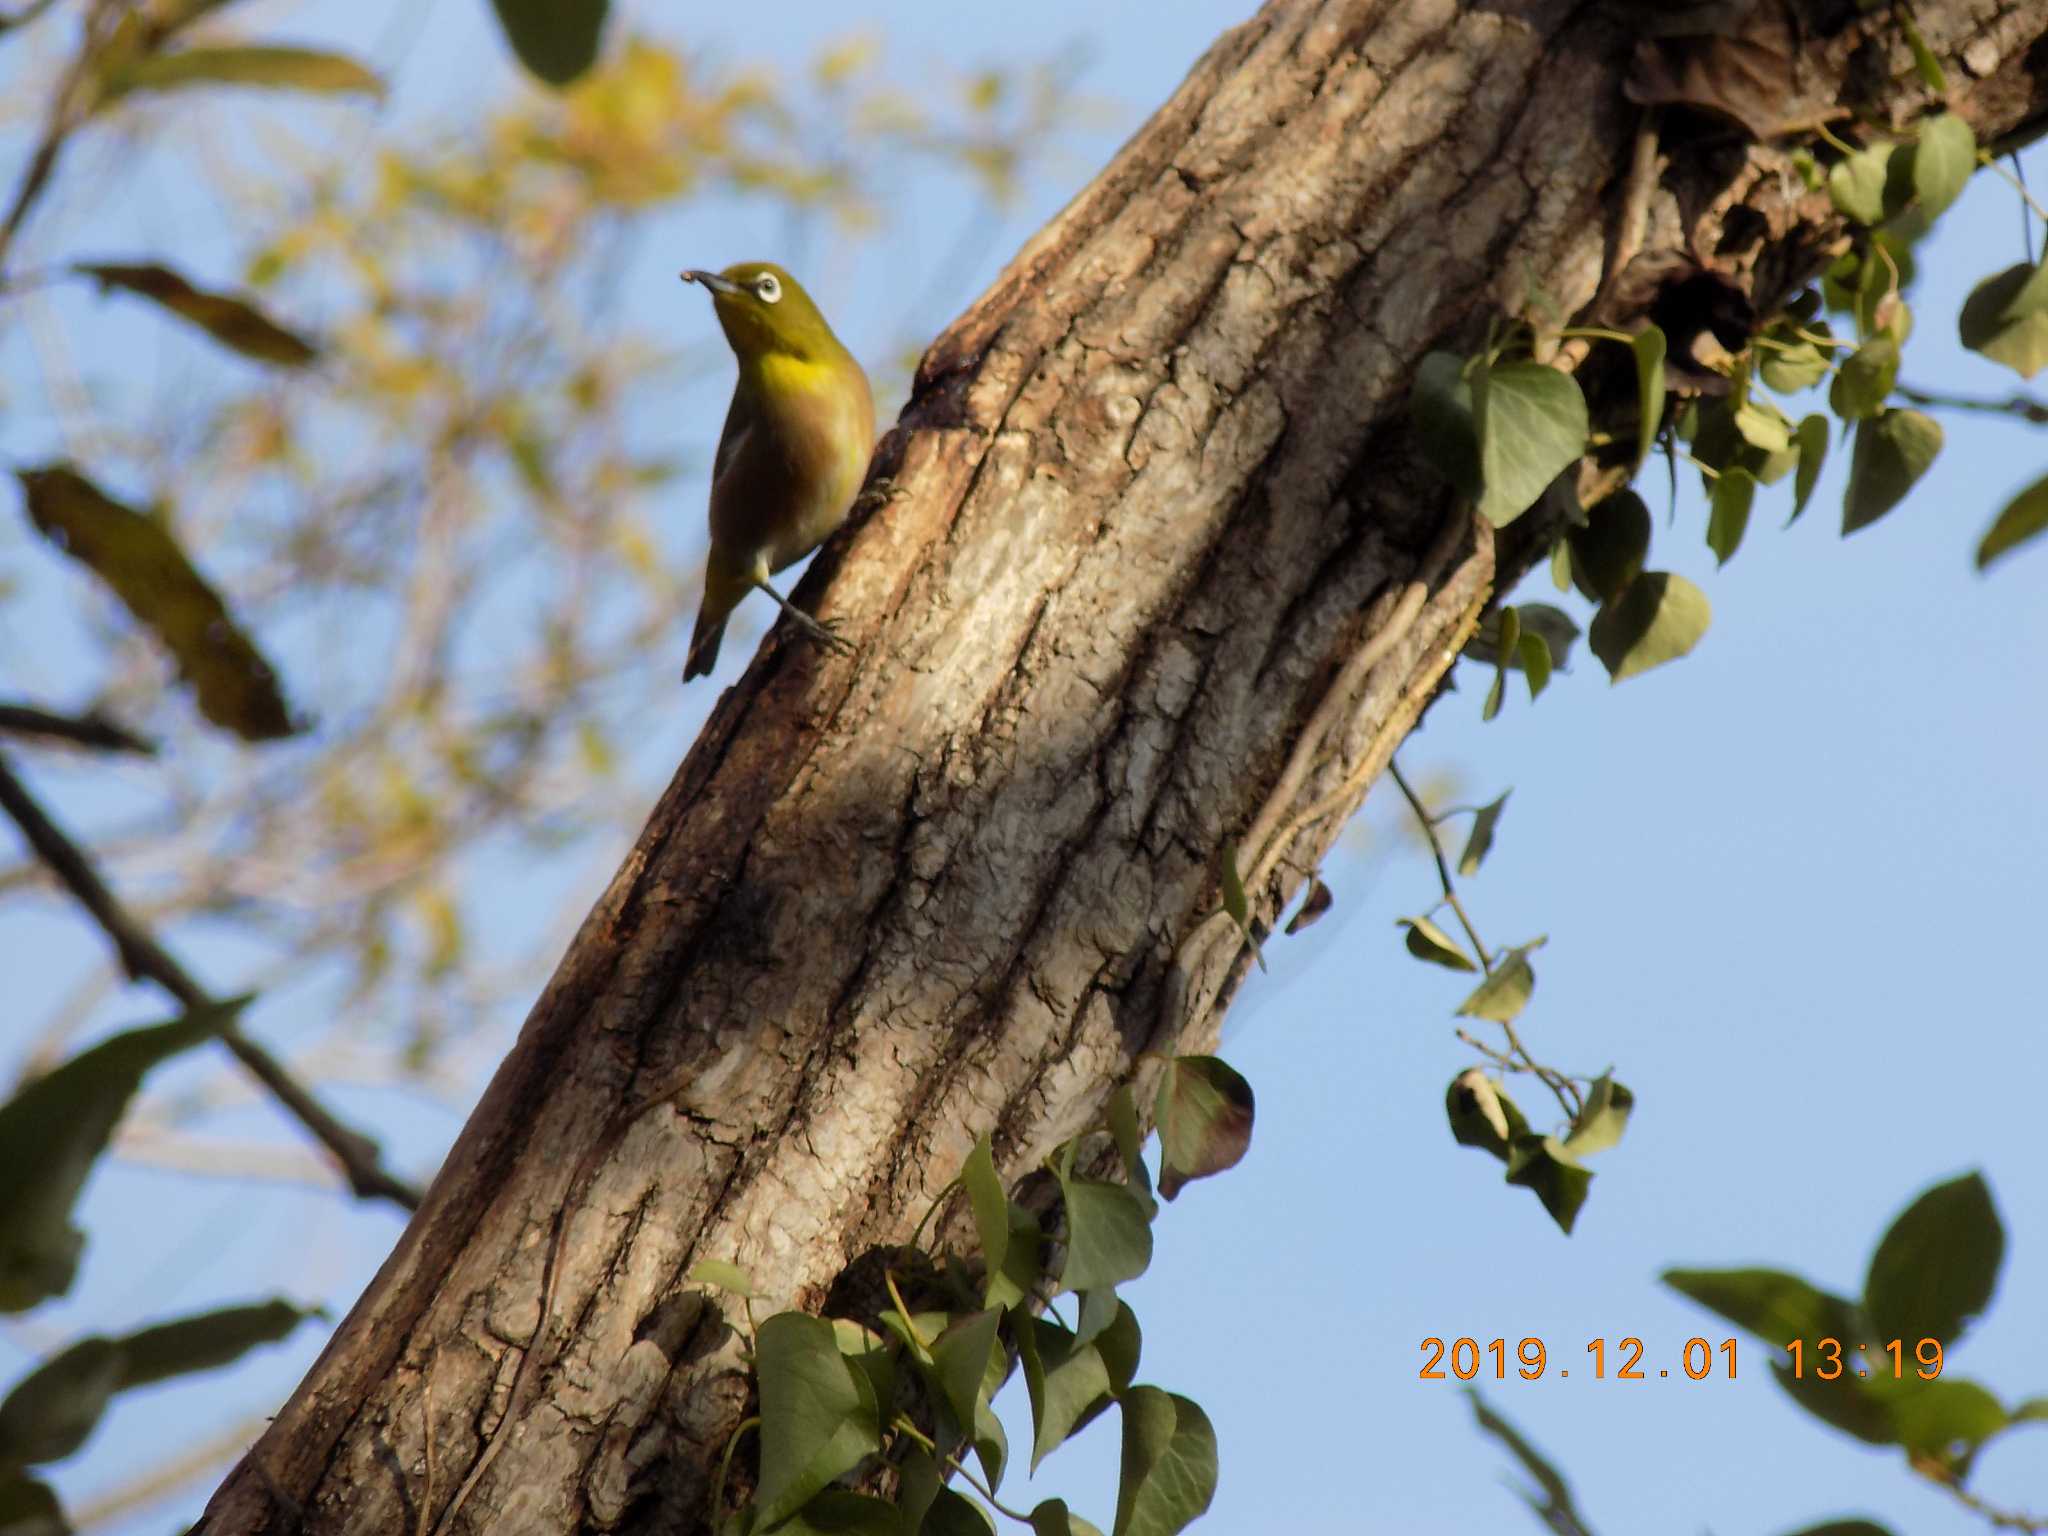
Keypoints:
pixel 470 523
pixel 367 489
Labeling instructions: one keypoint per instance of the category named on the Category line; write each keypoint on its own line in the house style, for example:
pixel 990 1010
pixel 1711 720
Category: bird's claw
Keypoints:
pixel 876 494
pixel 823 632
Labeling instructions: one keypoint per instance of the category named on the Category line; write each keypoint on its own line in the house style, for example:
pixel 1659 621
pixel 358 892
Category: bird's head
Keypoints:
pixel 763 309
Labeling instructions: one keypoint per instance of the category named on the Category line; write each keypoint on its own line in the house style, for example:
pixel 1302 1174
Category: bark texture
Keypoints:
pixel 1158 573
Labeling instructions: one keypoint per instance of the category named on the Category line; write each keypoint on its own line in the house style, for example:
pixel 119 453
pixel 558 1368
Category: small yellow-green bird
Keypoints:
pixel 794 450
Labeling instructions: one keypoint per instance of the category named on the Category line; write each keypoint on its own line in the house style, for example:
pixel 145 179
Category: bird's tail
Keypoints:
pixel 704 642
pixel 722 593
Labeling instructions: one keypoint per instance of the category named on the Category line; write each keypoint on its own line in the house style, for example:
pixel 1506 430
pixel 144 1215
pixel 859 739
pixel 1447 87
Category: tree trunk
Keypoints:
pixel 1160 572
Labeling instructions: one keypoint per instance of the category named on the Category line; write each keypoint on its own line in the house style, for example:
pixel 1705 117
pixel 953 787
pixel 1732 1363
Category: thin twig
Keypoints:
pixel 1996 1517
pixel 153 1145
pixel 70 105
pixel 25 15
pixel 35 279
pixel 2025 407
pixel 145 959
pixel 155 1484
pixel 1492 1053
pixel 92 730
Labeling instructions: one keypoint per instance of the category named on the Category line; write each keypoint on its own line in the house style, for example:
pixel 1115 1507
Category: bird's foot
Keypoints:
pixel 875 495
pixel 823 632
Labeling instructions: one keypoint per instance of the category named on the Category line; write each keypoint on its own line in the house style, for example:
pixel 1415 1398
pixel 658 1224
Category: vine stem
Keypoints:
pixel 917 1237
pixel 1492 1053
pixel 1834 139
pixel 1443 868
pixel 1561 1087
pixel 1811 338
pixel 2019 172
pixel 956 1464
pixel 903 1311
pixel 2026 407
pixel 1986 158
pixel 1598 333
pixel 1266 835
pixel 1815 338
pixel 732 1443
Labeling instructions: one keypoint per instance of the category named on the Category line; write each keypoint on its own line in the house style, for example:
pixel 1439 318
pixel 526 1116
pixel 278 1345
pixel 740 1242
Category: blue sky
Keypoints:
pixel 1791 887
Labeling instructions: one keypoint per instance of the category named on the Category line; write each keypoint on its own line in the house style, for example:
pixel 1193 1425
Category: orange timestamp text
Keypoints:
pixel 1827 1358
pixel 1469 1358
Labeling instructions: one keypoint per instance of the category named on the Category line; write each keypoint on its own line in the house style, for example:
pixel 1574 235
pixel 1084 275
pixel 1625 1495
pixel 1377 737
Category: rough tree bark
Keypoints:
pixel 1159 572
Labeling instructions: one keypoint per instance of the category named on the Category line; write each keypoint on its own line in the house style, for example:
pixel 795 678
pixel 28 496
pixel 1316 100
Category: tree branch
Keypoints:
pixel 92 730
pixel 25 15
pixel 145 959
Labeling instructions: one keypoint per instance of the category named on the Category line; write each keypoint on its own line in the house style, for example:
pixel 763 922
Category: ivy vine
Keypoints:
pixel 864 1422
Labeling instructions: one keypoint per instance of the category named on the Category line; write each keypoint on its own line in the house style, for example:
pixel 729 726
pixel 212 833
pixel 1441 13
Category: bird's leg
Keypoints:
pixel 824 632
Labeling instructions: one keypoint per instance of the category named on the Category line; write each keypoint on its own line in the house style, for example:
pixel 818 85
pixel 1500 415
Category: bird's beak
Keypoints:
pixel 720 287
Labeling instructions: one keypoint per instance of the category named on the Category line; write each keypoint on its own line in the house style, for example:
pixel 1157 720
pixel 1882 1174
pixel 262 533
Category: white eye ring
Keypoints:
pixel 768 288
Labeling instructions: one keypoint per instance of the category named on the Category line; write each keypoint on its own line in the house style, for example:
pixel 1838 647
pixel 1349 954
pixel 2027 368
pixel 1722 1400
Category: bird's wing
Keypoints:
pixel 730 439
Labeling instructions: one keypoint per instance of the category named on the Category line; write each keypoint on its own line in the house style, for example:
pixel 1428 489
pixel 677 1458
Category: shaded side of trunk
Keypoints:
pixel 1158 574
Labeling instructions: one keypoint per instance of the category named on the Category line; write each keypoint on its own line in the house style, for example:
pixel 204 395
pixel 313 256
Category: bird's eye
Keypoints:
pixel 768 288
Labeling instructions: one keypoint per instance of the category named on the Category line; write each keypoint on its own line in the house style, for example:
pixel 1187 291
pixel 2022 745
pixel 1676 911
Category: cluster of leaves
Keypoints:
pixel 904 1398
pixel 1481 1113
pixel 1933 1271
pixel 1873 1367
pixel 1552 1166
pixel 1504 428
pixel 1742 63
pixel 52 1132
pixel 1894 191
